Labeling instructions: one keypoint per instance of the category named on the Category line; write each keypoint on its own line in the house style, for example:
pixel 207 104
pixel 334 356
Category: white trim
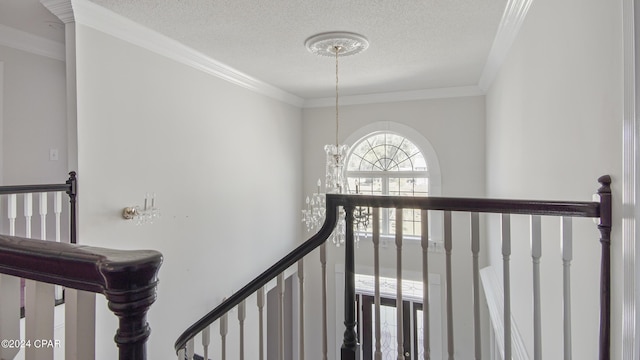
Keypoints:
pixel 512 19
pixel 60 8
pixel 24 41
pixel 493 292
pixel 630 216
pixel 101 19
pixel 439 93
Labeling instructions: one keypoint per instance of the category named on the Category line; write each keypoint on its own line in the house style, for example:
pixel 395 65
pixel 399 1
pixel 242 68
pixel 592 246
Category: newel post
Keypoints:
pixel 72 192
pixel 605 266
pixel 130 291
pixel 350 348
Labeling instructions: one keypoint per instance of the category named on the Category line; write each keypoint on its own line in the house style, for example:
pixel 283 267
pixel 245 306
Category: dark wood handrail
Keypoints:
pixel 21 189
pixel 67 187
pixel 334 201
pixel 128 279
pixel 301 251
pixel 498 206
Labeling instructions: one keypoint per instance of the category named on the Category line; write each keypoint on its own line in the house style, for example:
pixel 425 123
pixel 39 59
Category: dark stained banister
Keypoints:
pixel 605 267
pixel 349 351
pixel 301 251
pixel 128 279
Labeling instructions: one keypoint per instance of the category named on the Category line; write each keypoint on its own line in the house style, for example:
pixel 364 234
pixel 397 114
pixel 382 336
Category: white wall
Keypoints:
pixel 1 120
pixel 225 164
pixel 554 125
pixel 34 118
pixel 455 128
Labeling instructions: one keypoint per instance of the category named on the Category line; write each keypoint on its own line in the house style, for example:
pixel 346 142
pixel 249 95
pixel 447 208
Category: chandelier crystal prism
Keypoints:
pixel 334 44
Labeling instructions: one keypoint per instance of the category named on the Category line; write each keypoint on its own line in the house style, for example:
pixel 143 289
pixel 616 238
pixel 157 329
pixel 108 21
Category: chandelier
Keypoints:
pixel 332 44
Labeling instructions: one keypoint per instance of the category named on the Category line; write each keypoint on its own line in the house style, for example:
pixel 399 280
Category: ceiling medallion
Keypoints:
pixel 324 44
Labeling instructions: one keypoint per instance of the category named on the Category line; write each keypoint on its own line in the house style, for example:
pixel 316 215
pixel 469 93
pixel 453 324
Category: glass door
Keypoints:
pixel 389 328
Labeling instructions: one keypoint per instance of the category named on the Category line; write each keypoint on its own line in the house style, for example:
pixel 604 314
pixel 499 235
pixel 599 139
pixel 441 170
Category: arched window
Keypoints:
pixel 385 161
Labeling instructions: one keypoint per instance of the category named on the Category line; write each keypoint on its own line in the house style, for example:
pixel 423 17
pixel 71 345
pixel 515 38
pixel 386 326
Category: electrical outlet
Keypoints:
pixel 53 154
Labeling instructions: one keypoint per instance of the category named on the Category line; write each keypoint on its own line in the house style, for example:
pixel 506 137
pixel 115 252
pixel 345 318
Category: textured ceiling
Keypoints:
pixel 414 45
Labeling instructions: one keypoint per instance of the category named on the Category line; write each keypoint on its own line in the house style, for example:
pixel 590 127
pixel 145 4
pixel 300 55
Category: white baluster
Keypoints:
pixel 567 256
pixel 376 266
pixel 39 297
pixel 536 254
pixel 301 309
pixel 57 210
pixel 260 301
pixel 505 225
pixel 12 209
pixel 9 313
pixel 190 349
pixel 223 336
pixel 182 354
pixel 28 213
pixel 475 250
pixel 323 262
pixel 399 307
pixel 448 245
pixel 10 294
pixel 43 215
pixel 79 325
pixel 242 315
pixel 426 336
pixel 206 341
pixel 39 311
pixel 281 290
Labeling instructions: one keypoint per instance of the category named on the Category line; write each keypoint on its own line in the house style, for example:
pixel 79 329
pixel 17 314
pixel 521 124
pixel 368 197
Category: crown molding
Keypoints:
pixel 60 8
pixel 439 93
pixel 34 44
pixel 512 19
pixel 101 19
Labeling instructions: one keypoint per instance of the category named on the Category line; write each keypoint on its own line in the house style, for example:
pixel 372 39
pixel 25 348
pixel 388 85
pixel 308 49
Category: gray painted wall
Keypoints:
pixel 554 125
pixel 455 129
pixel 224 162
pixel 34 118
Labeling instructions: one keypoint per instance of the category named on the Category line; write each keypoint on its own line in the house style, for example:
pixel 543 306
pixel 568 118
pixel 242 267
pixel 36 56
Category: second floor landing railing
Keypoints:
pixel 427 207
pixel 52 261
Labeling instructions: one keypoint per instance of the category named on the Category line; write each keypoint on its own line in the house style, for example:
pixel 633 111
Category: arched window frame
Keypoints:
pixel 428 152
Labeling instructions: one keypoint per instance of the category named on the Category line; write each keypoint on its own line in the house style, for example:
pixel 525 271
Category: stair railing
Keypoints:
pixel 127 279
pixel 350 349
pixel 53 261
pixel 184 346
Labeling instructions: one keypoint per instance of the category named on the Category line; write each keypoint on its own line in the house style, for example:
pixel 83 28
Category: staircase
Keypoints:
pixel 269 317
pixel 462 220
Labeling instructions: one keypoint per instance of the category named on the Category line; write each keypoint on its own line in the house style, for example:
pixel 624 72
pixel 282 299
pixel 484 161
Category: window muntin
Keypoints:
pixel 384 152
pixel 386 163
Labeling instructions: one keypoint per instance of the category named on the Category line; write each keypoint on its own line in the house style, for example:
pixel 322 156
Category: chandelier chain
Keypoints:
pixel 336 44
